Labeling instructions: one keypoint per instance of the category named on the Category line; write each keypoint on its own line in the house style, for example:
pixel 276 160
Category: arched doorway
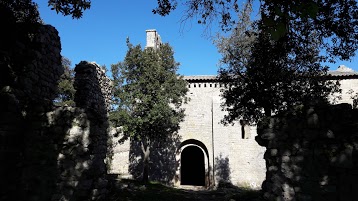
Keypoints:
pixel 192 168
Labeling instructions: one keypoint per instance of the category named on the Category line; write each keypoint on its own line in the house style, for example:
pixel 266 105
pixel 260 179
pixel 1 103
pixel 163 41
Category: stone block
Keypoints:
pixel 285 159
pixel 343 159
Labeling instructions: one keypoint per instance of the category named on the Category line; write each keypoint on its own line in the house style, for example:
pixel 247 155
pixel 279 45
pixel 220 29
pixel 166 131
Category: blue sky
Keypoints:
pixel 100 35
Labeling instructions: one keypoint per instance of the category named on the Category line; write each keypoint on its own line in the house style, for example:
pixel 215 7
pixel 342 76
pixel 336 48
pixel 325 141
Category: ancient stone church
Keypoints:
pixel 205 152
pixel 54 152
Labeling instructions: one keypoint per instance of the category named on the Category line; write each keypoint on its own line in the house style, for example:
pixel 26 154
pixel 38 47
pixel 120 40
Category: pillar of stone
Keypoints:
pixel 83 153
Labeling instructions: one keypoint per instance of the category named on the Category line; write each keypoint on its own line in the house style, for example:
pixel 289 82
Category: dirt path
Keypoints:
pixel 134 191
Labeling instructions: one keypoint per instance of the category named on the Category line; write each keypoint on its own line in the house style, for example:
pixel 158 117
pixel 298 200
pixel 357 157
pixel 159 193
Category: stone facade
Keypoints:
pixel 230 152
pixel 232 155
pixel 153 39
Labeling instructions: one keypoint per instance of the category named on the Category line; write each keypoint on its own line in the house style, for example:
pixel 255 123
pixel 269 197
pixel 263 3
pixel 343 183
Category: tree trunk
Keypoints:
pixel 267 111
pixel 146 152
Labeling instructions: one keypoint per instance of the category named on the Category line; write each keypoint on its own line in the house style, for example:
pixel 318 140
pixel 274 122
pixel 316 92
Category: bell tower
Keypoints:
pixel 153 39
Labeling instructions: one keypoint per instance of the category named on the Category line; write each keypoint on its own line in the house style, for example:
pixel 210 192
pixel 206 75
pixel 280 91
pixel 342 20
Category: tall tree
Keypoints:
pixel 289 23
pixel 148 94
pixel 20 18
pixel 66 90
pixel 265 75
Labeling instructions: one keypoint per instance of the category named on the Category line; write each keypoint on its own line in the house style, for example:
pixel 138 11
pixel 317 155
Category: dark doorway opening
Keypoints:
pixel 192 169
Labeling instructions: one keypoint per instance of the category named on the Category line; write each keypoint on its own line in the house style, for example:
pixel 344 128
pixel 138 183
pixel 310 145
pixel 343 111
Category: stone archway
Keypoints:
pixel 195 159
pixel 192 168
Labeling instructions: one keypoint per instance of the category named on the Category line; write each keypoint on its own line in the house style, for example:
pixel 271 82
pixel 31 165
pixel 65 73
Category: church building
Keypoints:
pixel 205 152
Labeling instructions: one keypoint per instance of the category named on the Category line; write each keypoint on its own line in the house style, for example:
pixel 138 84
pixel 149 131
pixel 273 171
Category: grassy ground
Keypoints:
pixel 129 190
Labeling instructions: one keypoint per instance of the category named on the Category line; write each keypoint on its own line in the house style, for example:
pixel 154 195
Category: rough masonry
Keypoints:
pixel 29 75
pixel 48 152
pixel 312 154
pixel 81 161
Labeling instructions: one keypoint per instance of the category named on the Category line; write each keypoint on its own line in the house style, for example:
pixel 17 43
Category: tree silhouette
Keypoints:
pixel 148 94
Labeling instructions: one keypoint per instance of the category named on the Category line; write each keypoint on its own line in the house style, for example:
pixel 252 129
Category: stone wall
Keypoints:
pixel 29 74
pixel 83 150
pixel 48 152
pixel 228 157
pixel 312 154
pixel 231 158
pixel 230 154
pixel 93 88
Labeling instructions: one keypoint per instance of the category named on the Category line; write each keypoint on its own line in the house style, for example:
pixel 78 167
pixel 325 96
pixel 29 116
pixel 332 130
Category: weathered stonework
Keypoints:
pixel 48 152
pixel 27 90
pixel 311 154
pixel 83 150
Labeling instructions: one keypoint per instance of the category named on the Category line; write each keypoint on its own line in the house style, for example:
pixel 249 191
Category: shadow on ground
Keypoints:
pixel 130 190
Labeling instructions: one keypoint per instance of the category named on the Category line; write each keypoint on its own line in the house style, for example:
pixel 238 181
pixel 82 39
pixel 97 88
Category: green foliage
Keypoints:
pixel 74 8
pixel 266 76
pixel 20 19
pixel 66 90
pixel 274 62
pixel 148 93
pixel 24 11
pixel 335 23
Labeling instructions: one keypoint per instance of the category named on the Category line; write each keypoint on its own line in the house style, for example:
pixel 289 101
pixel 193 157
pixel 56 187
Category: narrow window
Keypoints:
pixel 245 129
pixel 242 132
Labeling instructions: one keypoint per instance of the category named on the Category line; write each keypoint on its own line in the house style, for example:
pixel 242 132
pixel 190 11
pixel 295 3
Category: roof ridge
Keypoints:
pixel 333 74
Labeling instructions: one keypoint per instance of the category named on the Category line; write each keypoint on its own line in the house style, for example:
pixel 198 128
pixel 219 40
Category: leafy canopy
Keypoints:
pixel 66 90
pixel 148 93
pixel 24 11
pixel 74 8
pixel 335 22
pixel 266 76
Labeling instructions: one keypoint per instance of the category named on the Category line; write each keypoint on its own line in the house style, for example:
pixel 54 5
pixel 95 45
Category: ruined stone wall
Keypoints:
pixel 48 152
pixel 83 150
pixel 93 87
pixel 312 154
pixel 29 75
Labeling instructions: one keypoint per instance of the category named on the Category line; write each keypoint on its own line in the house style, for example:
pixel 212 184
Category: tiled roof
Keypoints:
pixel 200 77
pixel 340 73
pixel 334 74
